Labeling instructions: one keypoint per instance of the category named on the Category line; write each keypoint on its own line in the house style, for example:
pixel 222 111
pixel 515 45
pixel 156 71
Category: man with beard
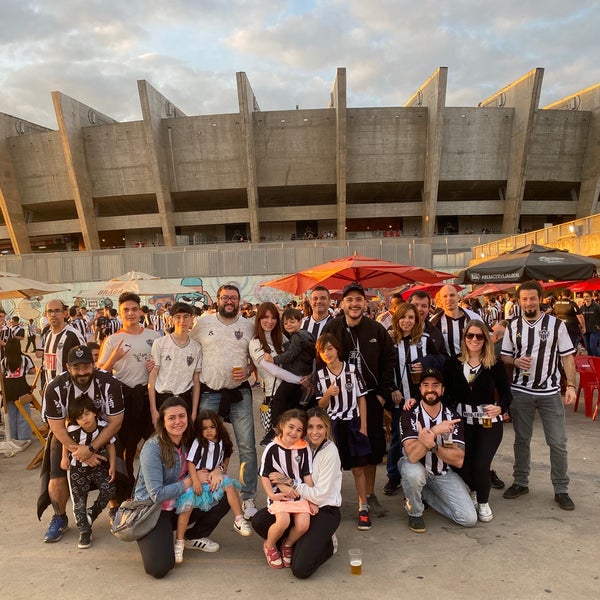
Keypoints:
pixel 432 440
pixel 80 378
pixel 320 301
pixel 224 388
pixel 532 345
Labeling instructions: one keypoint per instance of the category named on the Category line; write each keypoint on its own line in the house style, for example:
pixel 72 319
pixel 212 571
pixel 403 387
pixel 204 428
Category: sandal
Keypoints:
pixel 273 557
pixel 286 554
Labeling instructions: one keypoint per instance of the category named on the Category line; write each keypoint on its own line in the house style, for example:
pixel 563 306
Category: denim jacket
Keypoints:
pixel 156 481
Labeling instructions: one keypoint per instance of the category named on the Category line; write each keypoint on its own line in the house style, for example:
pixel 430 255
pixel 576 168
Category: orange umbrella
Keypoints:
pixel 369 272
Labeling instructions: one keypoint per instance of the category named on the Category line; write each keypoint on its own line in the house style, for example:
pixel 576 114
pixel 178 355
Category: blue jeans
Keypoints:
pixel 447 494
pixel 19 427
pixel 242 419
pixel 395 449
pixel 592 342
pixel 552 413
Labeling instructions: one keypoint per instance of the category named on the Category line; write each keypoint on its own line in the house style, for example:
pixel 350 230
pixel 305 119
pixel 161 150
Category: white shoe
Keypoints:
pixel 249 508
pixel 179 546
pixel 334 541
pixel 242 527
pixel 204 544
pixel 484 512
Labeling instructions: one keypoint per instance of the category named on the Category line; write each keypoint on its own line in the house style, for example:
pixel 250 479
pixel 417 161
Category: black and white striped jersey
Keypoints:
pixel 344 406
pixel 452 329
pixel 84 438
pixel 545 340
pixel 315 327
pixel 206 457
pixel 409 353
pixel 409 430
pixel 56 349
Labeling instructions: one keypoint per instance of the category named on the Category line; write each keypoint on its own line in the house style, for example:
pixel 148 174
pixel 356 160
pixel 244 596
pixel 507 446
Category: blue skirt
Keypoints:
pixel 207 499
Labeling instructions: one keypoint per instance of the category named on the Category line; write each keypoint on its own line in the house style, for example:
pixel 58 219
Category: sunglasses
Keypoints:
pixel 478 336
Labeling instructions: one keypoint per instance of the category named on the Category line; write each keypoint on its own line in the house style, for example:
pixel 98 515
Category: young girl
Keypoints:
pixel 15 368
pixel 288 454
pixel 342 393
pixel 210 452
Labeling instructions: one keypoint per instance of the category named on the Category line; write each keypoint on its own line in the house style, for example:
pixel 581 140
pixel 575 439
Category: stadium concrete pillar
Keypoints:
pixel 156 107
pixel 248 105
pixel 432 94
pixel 10 196
pixel 523 95
pixel 338 102
pixel 589 191
pixel 72 116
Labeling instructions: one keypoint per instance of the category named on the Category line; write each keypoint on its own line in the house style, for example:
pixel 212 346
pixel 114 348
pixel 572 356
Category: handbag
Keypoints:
pixel 134 519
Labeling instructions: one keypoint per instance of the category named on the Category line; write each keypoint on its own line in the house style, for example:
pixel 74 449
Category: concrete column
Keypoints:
pixel 432 94
pixel 339 103
pixel 72 116
pixel 10 197
pixel 248 105
pixel 524 96
pixel 588 100
pixel 156 107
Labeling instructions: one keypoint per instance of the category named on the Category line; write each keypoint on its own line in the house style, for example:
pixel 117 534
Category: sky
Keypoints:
pixel 190 50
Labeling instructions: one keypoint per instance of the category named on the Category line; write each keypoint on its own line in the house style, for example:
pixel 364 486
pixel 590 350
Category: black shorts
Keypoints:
pixel 375 429
pixel 55 457
pixel 353 447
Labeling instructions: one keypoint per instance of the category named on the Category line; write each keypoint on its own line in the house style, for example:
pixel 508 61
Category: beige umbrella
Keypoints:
pixel 15 286
pixel 134 281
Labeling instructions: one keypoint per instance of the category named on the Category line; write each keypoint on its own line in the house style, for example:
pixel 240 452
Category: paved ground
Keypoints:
pixel 531 549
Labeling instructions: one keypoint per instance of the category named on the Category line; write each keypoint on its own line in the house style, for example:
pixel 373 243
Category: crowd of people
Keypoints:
pixel 447 375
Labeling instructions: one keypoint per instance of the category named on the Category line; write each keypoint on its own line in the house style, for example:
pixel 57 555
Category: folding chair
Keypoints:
pixel 588 368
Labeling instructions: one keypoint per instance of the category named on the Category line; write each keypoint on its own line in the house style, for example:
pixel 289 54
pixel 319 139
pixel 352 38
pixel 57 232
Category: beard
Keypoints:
pixel 530 314
pixel 431 398
pixel 82 381
pixel 233 311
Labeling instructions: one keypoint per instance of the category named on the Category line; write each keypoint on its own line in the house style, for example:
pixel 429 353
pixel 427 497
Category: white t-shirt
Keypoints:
pixel 131 369
pixel 224 346
pixel 176 364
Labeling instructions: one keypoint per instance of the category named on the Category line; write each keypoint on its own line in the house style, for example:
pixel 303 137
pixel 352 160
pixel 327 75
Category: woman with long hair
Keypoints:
pixel 268 339
pixel 477 388
pixel 163 477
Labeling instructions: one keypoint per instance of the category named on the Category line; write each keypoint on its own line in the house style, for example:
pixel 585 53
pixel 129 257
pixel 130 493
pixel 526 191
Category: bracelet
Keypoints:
pixel 571 385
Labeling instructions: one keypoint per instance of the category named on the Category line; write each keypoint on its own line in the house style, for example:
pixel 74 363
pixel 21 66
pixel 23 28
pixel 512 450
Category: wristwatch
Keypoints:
pixel 92 449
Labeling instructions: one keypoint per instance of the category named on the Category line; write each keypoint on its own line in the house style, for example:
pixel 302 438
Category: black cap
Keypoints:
pixel 353 287
pixel 433 373
pixel 80 354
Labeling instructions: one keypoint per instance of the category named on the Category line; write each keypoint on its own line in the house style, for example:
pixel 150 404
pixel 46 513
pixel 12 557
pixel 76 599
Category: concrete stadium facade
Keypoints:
pixel 418 170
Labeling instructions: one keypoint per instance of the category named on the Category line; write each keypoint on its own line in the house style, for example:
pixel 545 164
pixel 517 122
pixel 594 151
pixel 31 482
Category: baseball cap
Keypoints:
pixel 80 354
pixel 433 373
pixel 353 287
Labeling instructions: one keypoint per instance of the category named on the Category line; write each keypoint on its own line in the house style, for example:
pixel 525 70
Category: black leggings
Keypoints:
pixel 157 548
pixel 286 397
pixel 480 447
pixel 315 547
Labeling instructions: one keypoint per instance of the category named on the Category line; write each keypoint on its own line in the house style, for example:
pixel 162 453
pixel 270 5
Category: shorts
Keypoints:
pixel 55 457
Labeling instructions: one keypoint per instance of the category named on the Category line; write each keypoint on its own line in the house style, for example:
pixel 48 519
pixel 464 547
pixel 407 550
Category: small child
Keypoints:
pixel 210 452
pixel 15 368
pixel 297 358
pixel 341 391
pixel 83 428
pixel 287 454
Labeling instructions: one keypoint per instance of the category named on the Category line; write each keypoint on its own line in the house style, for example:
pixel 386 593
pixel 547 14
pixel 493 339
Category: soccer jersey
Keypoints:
pixel 84 438
pixel 344 406
pixel 452 329
pixel 409 430
pixel 56 349
pixel 206 457
pixel 176 364
pixel 407 354
pixel 545 340
pixel 315 327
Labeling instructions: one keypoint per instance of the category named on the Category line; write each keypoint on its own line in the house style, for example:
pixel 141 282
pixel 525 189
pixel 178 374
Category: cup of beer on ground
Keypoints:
pixel 486 420
pixel 414 374
pixel 355 555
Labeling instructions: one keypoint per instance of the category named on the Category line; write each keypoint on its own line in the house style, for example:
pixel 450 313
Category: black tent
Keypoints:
pixel 532 262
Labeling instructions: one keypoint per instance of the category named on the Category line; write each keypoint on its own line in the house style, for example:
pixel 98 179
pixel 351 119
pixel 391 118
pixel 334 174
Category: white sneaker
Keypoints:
pixel 242 527
pixel 204 544
pixel 485 512
pixel 179 546
pixel 249 508
pixel 334 541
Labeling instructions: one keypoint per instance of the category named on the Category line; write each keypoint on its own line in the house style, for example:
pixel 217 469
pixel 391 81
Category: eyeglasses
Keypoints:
pixel 54 311
pixel 478 336
pixel 229 298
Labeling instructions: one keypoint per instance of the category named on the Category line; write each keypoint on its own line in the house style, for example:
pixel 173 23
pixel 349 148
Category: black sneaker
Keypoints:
pixel 85 539
pixel 514 491
pixel 564 501
pixel 391 487
pixel 496 482
pixel 267 439
pixel 417 524
pixel 364 520
pixel 374 507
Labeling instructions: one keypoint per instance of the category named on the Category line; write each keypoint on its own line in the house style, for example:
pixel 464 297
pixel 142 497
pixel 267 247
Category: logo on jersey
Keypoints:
pixel 239 335
pixel 544 334
pixel 189 360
